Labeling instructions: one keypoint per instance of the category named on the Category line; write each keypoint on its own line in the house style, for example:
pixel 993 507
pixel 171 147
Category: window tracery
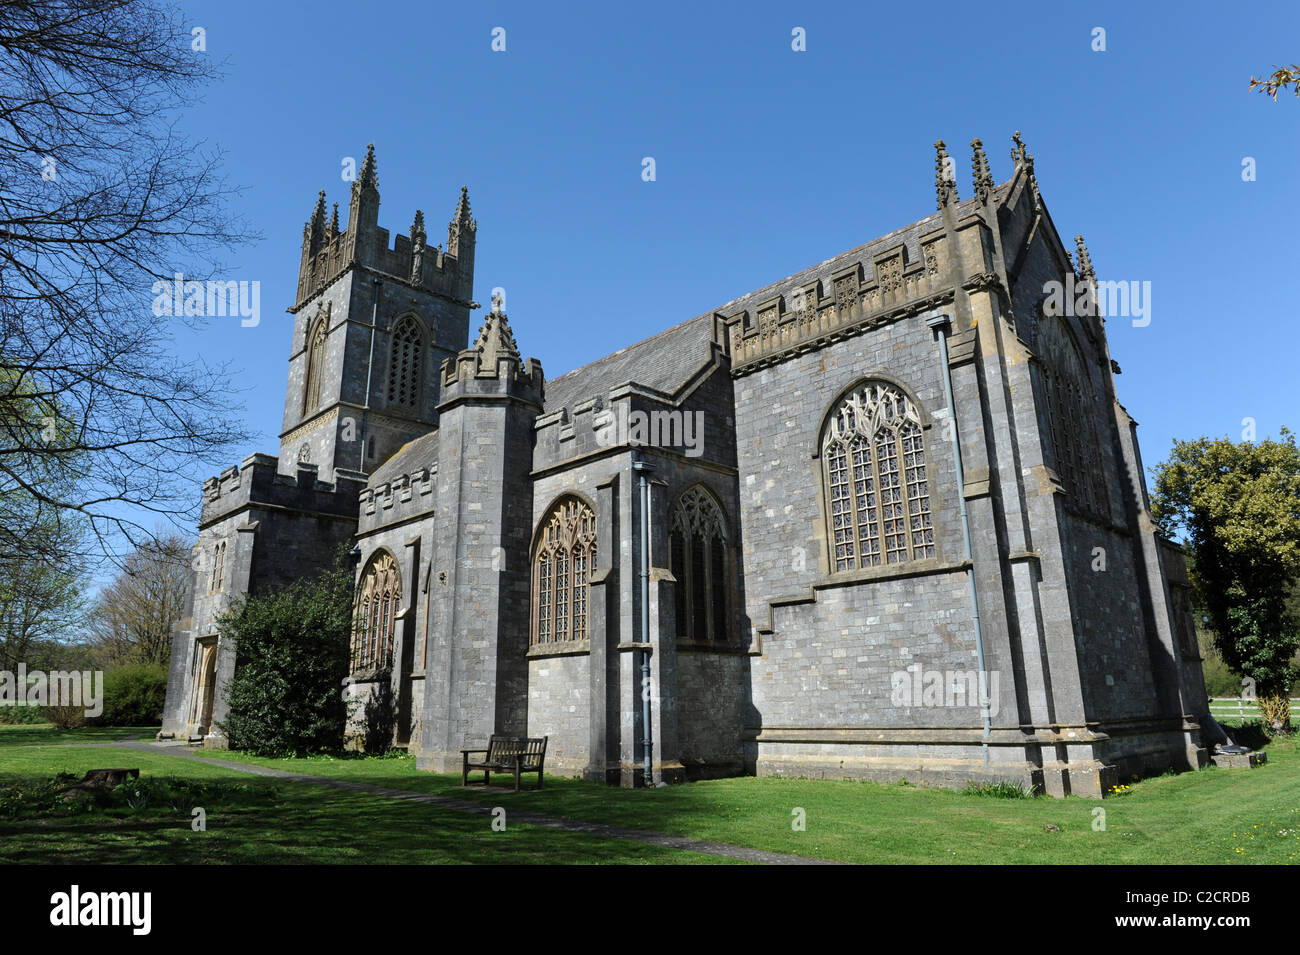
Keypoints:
pixel 878 497
pixel 564 559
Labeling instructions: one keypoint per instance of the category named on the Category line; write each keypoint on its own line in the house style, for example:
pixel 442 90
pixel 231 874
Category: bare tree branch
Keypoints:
pixel 100 199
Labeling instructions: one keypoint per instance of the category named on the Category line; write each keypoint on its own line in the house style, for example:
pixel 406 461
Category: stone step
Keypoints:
pixel 1239 760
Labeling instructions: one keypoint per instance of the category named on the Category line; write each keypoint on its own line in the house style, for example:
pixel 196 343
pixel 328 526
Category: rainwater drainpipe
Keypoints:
pixel 941 325
pixel 370 367
pixel 643 467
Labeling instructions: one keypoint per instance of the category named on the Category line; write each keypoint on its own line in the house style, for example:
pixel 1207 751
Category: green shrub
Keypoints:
pixel 133 695
pixel 21 715
pixel 286 697
pixel 65 717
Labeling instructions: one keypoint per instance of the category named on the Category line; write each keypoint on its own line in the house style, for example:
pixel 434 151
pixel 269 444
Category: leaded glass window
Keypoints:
pixel 562 567
pixel 1071 419
pixel 878 493
pixel 379 600
pixel 698 559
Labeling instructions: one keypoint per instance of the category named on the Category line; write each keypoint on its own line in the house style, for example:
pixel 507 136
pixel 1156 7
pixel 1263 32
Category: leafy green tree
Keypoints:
pixel 1239 507
pixel 291 656
pixel 41 603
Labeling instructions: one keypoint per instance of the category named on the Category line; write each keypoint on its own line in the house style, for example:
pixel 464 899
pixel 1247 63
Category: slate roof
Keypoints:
pixel 422 452
pixel 663 362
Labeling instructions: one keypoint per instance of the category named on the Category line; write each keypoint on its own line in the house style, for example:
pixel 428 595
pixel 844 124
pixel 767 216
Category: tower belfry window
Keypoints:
pixel 1071 418
pixel 217 579
pixel 315 363
pixel 404 364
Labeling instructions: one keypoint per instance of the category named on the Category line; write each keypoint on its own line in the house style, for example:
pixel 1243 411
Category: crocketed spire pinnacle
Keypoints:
pixel 369 171
pixel 318 214
pixel 980 167
pixel 1023 157
pixel 495 340
pixel 1084 269
pixel 462 216
pixel 1019 153
pixel 944 184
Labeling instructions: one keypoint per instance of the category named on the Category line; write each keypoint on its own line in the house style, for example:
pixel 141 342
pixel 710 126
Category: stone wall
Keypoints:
pixel 275 530
pixel 559 707
pixel 336 433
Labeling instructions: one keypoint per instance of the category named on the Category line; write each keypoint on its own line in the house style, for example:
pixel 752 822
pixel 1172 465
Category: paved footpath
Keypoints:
pixel 645 836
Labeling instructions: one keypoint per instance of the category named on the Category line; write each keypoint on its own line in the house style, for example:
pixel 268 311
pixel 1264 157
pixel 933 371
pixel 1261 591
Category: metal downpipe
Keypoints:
pixel 643 467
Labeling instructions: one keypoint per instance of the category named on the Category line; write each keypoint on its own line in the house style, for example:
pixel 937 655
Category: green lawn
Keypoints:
pixel 255 820
pixel 1214 816
pixel 43 734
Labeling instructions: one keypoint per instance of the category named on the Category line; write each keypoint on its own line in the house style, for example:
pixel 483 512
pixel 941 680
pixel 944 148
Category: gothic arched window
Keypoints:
pixel 378 601
pixel 218 568
pixel 1071 426
pixel 404 364
pixel 562 564
pixel 878 497
pixel 697 555
pixel 315 368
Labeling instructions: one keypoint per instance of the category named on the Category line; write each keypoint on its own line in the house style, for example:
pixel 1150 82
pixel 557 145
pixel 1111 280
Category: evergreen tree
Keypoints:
pixel 291 656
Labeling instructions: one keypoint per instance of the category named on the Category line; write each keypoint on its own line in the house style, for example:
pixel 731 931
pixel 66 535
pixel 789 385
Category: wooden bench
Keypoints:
pixel 506 754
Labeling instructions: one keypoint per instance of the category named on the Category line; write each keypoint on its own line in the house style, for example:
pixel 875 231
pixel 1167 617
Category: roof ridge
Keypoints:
pixel 625 348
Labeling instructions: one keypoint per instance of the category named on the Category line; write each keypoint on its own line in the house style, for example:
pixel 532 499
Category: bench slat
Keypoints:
pixel 505 754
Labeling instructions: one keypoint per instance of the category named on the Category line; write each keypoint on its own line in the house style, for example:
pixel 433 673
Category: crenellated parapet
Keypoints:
pixel 327 251
pixel 257 482
pixel 398 499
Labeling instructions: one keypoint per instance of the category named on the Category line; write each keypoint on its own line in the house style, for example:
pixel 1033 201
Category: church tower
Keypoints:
pixel 372 324
pixel 476 683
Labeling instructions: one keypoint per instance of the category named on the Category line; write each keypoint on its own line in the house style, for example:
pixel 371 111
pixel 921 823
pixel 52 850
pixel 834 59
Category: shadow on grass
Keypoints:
pixel 46 734
pixel 1249 734
pixel 1180 818
pixel 258 820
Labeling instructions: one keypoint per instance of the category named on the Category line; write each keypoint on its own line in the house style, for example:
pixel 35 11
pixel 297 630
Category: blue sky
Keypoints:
pixel 770 160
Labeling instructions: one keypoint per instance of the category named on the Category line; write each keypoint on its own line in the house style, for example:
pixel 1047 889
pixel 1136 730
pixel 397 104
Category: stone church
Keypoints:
pixel 883 518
